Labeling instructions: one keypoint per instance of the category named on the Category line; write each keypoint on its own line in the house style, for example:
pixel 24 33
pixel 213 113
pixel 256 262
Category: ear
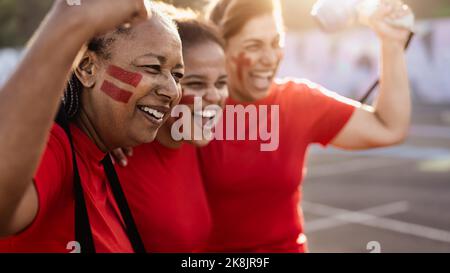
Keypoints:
pixel 87 69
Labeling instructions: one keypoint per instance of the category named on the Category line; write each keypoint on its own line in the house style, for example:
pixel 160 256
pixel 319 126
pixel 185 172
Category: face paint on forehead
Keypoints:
pixel 124 76
pixel 115 92
pixel 241 62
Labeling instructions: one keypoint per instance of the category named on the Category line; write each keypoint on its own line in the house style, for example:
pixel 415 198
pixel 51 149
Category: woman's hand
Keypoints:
pixel 390 10
pixel 387 123
pixel 101 16
pixel 25 117
pixel 121 156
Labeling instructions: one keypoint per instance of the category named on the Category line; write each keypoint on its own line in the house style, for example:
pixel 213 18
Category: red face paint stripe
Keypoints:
pixel 115 92
pixel 124 76
pixel 187 100
pixel 241 62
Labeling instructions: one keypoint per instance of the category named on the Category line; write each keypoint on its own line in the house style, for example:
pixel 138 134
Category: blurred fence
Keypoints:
pixel 348 62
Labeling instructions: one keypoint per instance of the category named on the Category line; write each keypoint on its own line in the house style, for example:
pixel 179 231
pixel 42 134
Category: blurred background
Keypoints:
pixel 388 200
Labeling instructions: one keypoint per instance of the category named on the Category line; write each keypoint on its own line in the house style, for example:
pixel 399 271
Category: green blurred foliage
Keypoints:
pixel 20 18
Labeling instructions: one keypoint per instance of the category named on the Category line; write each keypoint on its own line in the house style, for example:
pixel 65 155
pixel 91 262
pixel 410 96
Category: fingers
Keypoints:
pixel 141 13
pixel 144 11
pixel 128 152
pixel 393 9
pixel 120 157
pixel 393 19
pixel 400 12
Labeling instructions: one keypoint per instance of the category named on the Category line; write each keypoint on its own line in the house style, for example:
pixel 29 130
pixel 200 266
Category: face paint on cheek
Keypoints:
pixel 241 62
pixel 124 76
pixel 115 92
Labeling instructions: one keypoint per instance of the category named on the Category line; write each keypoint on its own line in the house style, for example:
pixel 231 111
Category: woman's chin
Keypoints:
pixel 258 92
pixel 148 137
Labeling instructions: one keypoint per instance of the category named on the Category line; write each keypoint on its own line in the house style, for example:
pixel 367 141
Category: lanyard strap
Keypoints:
pixel 83 231
pixel 377 82
pixel 119 196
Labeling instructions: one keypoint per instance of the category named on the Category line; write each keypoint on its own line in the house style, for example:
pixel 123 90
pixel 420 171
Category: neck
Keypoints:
pixel 243 97
pixel 237 96
pixel 164 137
pixel 88 128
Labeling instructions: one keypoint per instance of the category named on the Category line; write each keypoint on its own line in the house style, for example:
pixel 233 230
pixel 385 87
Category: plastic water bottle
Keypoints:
pixel 334 15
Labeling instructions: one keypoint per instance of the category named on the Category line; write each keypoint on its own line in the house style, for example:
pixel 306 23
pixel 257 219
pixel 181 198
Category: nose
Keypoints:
pixel 213 95
pixel 270 57
pixel 170 91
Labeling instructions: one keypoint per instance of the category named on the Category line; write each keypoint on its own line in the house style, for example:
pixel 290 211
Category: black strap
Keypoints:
pixel 83 232
pixel 131 228
pixel 377 82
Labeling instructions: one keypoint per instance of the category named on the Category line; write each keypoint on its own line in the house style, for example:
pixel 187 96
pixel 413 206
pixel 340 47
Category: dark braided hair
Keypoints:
pixel 71 100
pixel 74 88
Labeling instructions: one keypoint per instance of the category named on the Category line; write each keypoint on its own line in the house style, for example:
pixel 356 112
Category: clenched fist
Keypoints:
pixel 100 16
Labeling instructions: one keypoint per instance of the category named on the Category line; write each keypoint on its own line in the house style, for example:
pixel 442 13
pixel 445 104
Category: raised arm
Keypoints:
pixel 30 98
pixel 387 122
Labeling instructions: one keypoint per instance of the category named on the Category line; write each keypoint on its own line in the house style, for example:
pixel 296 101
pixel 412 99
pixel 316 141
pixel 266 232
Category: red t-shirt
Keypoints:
pixel 254 196
pixel 167 198
pixel 53 226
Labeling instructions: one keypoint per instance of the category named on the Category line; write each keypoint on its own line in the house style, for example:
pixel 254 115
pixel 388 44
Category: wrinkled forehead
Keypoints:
pixel 154 36
pixel 263 27
pixel 203 52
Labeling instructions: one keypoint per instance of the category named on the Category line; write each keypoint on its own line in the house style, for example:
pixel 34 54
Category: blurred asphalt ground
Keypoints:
pixel 398 198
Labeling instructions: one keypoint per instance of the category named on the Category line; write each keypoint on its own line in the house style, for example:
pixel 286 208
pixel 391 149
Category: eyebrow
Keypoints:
pixel 194 77
pixel 255 40
pixel 162 59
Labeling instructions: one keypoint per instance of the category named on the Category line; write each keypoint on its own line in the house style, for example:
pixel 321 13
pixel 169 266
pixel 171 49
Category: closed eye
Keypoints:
pixel 253 47
pixel 195 85
pixel 221 84
pixel 152 69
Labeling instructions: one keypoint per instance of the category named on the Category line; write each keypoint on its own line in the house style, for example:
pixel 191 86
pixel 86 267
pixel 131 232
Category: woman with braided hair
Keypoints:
pixel 121 90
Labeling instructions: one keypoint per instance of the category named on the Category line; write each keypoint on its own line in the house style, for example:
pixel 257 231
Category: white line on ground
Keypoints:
pixel 400 152
pixel 378 222
pixel 340 217
pixel 350 166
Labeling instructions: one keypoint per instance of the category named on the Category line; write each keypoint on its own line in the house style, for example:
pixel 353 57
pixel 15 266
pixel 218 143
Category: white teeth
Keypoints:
pixel 206 113
pixel 267 74
pixel 152 112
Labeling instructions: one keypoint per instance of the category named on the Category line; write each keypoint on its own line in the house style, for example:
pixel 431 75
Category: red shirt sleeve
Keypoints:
pixel 333 111
pixel 54 169
pixel 324 113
